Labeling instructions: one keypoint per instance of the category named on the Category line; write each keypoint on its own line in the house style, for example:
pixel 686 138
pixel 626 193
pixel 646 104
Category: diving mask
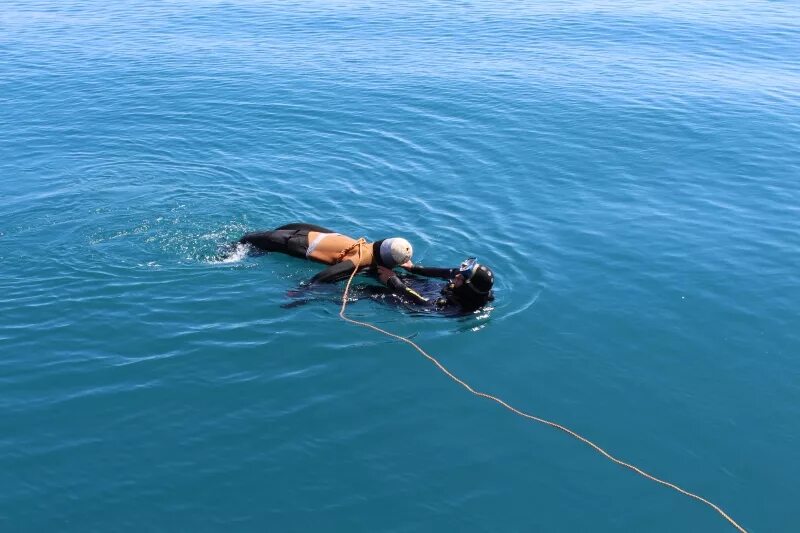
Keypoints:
pixel 467 268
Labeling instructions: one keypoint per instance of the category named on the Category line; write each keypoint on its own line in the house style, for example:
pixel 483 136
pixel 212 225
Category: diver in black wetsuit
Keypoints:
pixel 469 287
pixel 322 245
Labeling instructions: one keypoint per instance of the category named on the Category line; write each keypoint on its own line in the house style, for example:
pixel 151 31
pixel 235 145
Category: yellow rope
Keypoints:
pixel 517 411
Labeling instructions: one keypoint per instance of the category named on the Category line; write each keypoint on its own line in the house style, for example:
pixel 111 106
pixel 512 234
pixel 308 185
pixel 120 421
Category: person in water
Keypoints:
pixel 469 286
pixel 322 245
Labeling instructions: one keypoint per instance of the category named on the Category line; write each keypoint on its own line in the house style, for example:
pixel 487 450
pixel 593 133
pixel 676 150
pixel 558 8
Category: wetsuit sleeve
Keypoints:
pixel 334 272
pixel 398 287
pixel 433 272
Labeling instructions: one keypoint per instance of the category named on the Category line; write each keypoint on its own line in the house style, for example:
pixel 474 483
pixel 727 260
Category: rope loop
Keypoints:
pixel 343 253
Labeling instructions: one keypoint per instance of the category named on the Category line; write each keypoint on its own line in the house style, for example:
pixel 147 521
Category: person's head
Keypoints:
pixel 395 251
pixel 472 285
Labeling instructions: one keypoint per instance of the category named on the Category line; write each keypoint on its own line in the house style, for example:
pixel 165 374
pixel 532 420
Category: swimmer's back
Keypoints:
pixel 327 248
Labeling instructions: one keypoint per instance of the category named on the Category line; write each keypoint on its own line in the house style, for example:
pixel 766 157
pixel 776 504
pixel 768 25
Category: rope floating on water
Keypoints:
pixel 514 409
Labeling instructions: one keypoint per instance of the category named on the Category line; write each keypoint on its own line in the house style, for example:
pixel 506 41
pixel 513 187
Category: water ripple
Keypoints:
pixel 628 169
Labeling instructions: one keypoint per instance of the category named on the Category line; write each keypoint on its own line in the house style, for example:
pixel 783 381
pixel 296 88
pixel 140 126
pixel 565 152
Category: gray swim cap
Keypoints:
pixel 395 251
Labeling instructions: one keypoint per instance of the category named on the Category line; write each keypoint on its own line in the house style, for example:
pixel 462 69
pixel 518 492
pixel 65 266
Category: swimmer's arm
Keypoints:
pixel 431 272
pixel 334 272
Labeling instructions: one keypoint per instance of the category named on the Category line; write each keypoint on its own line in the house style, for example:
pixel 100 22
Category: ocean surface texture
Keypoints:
pixel 630 171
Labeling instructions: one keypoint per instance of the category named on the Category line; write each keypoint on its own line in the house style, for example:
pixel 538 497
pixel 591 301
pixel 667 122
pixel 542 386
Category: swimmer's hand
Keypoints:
pixel 408 265
pixel 384 274
pixel 302 290
pixel 296 303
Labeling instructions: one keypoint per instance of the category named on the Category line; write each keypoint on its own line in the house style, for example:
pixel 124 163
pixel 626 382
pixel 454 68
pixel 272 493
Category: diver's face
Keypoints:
pixel 458 280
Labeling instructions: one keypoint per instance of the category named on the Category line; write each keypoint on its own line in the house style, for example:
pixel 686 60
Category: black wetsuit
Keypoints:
pixel 292 239
pixel 403 286
pixel 410 292
pixel 447 299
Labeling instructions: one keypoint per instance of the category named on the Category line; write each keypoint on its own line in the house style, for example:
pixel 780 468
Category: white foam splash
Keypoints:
pixel 234 256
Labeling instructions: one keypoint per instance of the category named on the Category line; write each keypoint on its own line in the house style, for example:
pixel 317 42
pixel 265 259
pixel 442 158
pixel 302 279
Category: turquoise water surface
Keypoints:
pixel 630 170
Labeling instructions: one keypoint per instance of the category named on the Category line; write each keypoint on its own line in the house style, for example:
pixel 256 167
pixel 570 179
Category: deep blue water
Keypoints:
pixel 630 170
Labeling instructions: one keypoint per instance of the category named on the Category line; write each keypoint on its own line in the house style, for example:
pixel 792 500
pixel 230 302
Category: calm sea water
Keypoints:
pixel 630 170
